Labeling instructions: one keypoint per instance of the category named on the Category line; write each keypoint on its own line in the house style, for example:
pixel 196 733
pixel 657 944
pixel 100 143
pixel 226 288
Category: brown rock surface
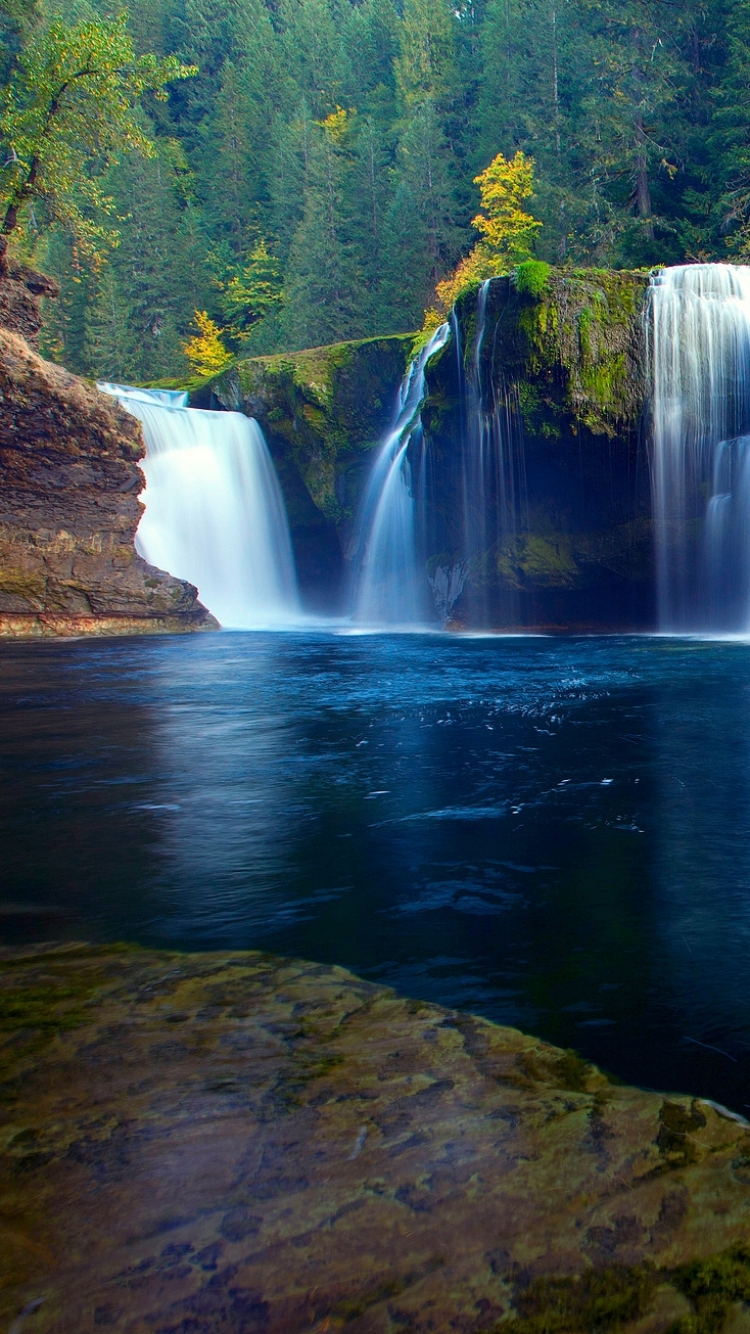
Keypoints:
pixel 20 290
pixel 69 509
pixel 204 1143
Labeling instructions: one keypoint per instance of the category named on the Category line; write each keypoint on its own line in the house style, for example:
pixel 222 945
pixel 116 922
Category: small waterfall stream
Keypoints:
pixel 493 480
pixel 434 528
pixel 390 587
pixel 214 509
pixel 699 330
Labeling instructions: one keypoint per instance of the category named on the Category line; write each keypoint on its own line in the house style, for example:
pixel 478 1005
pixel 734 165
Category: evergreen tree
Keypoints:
pixel 110 350
pixel 322 296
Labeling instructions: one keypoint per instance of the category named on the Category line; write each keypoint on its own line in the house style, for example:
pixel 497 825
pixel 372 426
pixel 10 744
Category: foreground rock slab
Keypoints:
pixel 246 1143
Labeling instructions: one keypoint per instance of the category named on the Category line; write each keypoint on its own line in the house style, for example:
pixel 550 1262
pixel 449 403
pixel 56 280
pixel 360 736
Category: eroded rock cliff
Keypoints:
pixel 69 504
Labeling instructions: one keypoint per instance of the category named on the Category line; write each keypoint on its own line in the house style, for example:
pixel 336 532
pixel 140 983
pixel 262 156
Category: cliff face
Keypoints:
pixel 560 376
pixel 323 412
pixel 20 290
pixel 69 486
pixel 69 509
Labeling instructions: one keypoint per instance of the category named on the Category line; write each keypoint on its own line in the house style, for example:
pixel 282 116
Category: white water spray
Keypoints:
pixel 391 587
pixel 700 366
pixel 214 510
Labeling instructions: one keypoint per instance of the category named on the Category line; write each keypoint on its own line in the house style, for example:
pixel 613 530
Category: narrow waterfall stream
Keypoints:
pixel 699 329
pixel 493 481
pixel 214 509
pixel 390 587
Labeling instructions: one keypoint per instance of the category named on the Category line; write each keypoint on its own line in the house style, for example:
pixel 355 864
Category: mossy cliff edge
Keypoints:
pixel 250 1144
pixel 323 412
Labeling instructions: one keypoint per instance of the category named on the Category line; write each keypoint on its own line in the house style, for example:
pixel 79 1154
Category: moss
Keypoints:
pixel 531 277
pixel 28 585
pixel 711 1286
pixel 34 1010
pixel 323 410
pixel 602 1299
pixel 579 336
pixel 573 1072
pixel 676 1139
pixel 534 559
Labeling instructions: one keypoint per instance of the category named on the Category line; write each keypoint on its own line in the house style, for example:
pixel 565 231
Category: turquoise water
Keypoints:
pixel 552 832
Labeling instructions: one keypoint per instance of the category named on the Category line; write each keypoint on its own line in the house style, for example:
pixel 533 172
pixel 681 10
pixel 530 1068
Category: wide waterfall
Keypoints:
pixel 214 510
pixel 699 330
pixel 390 585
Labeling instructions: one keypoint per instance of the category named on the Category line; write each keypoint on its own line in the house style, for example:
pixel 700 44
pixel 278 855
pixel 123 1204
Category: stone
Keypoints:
pixel 240 1142
pixel 69 509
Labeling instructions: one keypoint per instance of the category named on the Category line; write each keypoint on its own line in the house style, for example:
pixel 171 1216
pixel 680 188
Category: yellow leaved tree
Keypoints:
pixel 205 351
pixel 507 232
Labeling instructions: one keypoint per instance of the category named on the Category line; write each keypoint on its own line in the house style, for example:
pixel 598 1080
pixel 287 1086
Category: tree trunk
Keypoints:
pixel 10 220
pixel 642 192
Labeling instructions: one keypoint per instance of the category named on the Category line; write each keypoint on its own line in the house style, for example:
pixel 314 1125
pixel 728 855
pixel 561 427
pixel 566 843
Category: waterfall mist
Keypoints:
pixel 699 332
pixel 214 509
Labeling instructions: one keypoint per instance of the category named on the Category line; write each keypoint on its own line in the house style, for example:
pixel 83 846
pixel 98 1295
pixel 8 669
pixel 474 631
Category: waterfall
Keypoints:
pixel 699 333
pixel 214 510
pixel 390 586
pixel 493 481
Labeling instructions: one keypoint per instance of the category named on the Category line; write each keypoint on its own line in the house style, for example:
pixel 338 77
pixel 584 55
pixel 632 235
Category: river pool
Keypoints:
pixel 554 833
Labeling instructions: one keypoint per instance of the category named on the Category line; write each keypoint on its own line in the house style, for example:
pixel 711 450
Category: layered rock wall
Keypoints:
pixel 69 509
pixel 69 487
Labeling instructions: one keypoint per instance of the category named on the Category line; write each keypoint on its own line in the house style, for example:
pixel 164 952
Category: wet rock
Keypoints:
pixel 304 1159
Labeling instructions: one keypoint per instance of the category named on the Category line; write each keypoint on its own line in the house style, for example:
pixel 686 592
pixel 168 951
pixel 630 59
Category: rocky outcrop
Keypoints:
pixel 241 1143
pixel 69 507
pixel 323 412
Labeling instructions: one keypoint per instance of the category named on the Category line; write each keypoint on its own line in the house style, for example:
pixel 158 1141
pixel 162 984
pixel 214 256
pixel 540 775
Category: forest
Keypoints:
pixel 297 172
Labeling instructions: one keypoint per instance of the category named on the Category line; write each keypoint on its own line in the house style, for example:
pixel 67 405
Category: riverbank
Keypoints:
pixel 244 1142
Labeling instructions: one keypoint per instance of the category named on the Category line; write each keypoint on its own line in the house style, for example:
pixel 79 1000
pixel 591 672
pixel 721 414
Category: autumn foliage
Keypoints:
pixel 205 351
pixel 507 231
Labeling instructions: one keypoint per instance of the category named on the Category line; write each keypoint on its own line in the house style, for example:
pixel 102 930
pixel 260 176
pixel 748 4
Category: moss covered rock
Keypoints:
pixel 323 411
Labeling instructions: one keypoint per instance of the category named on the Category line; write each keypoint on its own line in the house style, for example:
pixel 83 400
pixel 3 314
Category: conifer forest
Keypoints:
pixel 299 172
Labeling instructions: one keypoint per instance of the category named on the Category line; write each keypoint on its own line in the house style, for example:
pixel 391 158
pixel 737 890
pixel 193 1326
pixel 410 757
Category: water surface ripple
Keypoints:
pixel 554 833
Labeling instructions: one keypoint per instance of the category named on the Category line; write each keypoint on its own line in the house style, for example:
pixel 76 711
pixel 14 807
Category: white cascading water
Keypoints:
pixel 390 587
pixel 699 328
pixel 493 474
pixel 214 510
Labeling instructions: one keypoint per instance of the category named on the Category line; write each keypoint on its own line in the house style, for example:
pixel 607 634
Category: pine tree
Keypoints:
pixel 322 296
pixel 110 347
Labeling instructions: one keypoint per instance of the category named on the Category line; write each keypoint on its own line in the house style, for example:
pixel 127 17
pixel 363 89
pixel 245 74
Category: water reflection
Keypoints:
pixel 554 833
